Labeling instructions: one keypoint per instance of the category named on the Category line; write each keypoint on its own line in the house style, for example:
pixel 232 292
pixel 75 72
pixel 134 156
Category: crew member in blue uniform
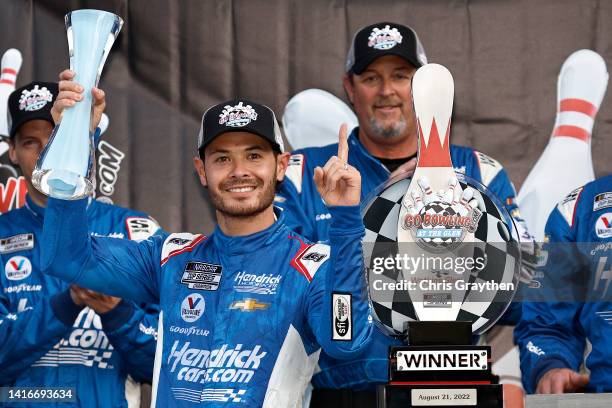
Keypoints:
pixel 53 334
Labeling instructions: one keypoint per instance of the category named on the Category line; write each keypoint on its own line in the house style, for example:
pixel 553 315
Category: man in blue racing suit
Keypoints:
pixel 245 310
pixel 380 64
pixel 576 301
pixel 53 334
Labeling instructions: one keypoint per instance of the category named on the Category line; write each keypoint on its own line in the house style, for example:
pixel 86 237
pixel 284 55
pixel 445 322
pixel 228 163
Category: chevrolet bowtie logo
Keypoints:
pixel 248 305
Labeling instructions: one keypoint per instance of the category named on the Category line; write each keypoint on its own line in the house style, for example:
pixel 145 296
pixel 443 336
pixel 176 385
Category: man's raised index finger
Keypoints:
pixel 343 148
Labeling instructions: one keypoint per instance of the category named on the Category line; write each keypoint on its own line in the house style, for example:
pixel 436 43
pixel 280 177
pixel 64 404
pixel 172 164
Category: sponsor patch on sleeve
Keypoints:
pixel 21 242
pixel 140 228
pixel 489 167
pixel 295 171
pixel 603 200
pixel 310 258
pixel 201 275
pixel 342 317
pixel 179 243
pixel 567 207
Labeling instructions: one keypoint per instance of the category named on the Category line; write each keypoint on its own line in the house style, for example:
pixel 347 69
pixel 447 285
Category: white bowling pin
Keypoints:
pixel 426 188
pixel 418 202
pixel 103 125
pixel 451 193
pixel 566 163
pixel 313 117
pixel 10 65
pixel 433 90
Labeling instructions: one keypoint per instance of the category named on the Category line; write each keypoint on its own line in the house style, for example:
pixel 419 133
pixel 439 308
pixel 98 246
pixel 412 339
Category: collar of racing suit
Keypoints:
pixel 253 242
pixel 35 210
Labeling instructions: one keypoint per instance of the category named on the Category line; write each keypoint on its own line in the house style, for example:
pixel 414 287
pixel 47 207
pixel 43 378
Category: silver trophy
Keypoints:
pixel 65 167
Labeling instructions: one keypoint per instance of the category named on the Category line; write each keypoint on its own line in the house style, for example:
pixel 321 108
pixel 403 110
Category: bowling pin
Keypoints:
pixel 432 91
pixel 566 163
pixel 312 119
pixel 10 66
pixel 103 125
pixel 425 186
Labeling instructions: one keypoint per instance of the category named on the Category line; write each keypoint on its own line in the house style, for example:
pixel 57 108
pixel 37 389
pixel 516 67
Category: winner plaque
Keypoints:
pixel 443 264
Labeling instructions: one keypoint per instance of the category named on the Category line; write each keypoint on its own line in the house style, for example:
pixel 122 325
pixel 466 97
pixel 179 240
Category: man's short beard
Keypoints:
pixel 390 131
pixel 267 198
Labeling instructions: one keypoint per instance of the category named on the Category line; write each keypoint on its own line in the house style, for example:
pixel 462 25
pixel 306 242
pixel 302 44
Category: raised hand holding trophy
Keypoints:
pixel 443 265
pixel 65 167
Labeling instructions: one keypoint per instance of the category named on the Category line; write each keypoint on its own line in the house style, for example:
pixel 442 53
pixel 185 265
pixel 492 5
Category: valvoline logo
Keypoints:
pixel 192 307
pixel 17 268
pixel 603 226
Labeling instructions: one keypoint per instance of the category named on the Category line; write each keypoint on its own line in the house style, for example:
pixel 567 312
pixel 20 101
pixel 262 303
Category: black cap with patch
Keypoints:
pixel 240 115
pixel 381 39
pixel 33 101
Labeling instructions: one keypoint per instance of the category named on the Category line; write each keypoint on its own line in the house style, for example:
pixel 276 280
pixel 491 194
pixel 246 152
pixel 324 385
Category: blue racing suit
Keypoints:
pixel 576 301
pixel 243 318
pixel 46 340
pixel 308 214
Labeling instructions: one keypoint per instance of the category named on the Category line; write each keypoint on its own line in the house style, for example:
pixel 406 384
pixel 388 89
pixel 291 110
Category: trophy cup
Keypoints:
pixel 65 166
pixel 443 265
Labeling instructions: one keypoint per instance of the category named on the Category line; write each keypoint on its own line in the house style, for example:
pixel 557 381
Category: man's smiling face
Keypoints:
pixel 382 98
pixel 241 171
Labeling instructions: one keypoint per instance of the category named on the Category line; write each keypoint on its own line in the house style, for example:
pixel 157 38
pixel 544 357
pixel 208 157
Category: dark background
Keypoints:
pixel 173 59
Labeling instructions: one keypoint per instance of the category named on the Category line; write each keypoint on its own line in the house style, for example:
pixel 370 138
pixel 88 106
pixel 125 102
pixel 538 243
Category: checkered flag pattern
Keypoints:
pixel 492 240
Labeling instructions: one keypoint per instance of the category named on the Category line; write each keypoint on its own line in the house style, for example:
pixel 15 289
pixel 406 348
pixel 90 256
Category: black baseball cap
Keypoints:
pixel 33 101
pixel 381 39
pixel 240 115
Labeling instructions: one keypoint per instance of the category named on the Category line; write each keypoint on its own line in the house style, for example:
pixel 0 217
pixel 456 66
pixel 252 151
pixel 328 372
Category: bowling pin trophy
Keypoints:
pixel 443 264
pixel 65 168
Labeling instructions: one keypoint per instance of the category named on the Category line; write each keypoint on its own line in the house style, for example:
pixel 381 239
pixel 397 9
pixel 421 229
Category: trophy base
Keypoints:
pixel 440 395
pixel 62 184
pixel 440 368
